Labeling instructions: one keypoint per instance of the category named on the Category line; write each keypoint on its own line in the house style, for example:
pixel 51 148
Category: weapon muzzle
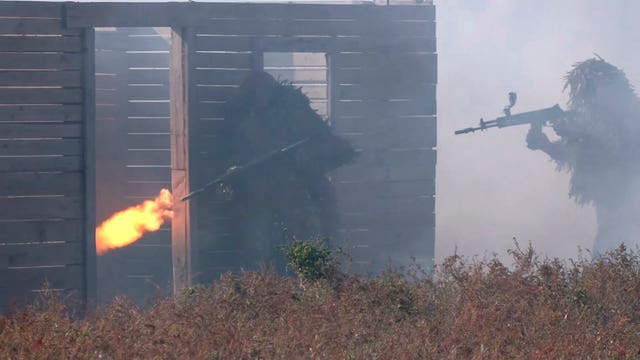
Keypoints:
pixel 465 131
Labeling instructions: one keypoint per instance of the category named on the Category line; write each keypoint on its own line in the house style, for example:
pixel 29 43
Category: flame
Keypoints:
pixel 127 226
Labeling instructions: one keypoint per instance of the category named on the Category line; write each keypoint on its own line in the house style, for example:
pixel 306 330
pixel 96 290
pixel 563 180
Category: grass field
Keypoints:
pixel 531 309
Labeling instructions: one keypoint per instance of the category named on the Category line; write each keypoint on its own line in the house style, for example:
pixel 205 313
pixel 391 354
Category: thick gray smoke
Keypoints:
pixel 490 187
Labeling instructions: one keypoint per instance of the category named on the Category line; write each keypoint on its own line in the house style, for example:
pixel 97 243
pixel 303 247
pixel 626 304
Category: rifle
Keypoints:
pixel 237 170
pixel 536 117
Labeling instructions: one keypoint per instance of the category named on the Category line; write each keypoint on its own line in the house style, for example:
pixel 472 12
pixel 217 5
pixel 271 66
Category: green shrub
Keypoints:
pixel 311 260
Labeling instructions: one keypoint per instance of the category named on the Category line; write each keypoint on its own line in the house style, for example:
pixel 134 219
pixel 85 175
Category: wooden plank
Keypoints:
pixel 190 14
pixel 392 134
pixel 300 75
pixel 40 96
pixel 41 147
pixel 221 76
pixel 122 41
pixel 110 62
pixel 152 253
pixel 41 231
pixel 316 44
pixel 107 97
pixel 425 107
pixel 45 61
pixel 21 279
pixel 41 43
pixel 106 81
pixel 147 92
pixel 215 93
pixel 28 184
pixel 149 173
pixel 328 27
pixel 41 163
pixel 148 76
pixel 181 127
pixel 160 237
pixel 40 130
pixel 379 213
pixel 409 91
pixel 89 152
pixel 222 60
pixel 147 109
pixel 35 26
pixel 21 255
pixel 40 113
pixel 406 165
pixel 212 126
pixel 239 44
pixel 148 60
pixel 369 125
pixel 315 11
pixel 148 141
pixel 149 157
pixel 32 9
pixel 146 189
pixel 374 77
pixel 40 78
pixel 158 125
pixel 348 191
pixel 370 201
pixel 41 208
pixel 401 61
pixel 211 110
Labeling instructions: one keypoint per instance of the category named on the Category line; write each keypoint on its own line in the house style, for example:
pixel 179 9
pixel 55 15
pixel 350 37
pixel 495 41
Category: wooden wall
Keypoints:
pixel 44 212
pixel 133 155
pixel 381 76
pixel 381 69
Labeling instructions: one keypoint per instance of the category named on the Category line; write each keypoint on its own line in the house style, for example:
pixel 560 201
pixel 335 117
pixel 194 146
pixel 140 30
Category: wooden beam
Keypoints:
pixel 89 109
pixel 182 226
pixel 112 14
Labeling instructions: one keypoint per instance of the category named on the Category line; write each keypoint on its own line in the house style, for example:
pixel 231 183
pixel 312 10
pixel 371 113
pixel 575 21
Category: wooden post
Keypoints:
pixel 182 226
pixel 90 167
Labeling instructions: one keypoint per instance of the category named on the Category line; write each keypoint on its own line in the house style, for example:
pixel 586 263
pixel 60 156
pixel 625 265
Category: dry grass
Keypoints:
pixel 535 309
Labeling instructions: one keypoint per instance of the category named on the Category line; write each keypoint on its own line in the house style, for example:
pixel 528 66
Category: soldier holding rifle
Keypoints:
pixel 599 144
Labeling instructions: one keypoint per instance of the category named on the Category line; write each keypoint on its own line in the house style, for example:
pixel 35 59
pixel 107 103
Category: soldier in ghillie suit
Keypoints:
pixel 288 194
pixel 599 143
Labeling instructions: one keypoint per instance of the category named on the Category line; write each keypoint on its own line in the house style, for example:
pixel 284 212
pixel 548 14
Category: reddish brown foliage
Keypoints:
pixel 536 309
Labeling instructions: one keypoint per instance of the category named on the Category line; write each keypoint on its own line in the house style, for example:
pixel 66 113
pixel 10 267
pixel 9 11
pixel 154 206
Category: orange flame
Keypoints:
pixel 127 226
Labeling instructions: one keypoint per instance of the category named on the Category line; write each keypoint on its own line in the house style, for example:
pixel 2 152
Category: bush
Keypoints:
pixel 311 260
pixel 536 308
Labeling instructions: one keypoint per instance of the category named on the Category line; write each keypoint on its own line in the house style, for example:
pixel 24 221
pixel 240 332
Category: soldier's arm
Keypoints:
pixel 537 140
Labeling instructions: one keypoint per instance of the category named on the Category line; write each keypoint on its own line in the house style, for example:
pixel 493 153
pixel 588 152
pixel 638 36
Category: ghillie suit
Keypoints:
pixel 600 145
pixel 289 194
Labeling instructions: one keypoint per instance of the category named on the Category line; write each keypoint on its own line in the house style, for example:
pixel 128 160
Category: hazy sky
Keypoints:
pixel 490 187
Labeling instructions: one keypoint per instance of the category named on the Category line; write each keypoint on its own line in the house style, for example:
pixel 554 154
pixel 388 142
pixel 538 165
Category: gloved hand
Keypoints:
pixel 536 139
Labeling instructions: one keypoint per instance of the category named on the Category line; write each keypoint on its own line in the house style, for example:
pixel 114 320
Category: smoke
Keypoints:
pixel 490 187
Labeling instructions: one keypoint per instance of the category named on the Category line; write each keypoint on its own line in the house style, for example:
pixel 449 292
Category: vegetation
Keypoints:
pixel 312 261
pixel 534 308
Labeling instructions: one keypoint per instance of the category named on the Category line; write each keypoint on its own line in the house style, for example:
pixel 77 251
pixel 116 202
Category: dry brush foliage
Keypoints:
pixel 535 309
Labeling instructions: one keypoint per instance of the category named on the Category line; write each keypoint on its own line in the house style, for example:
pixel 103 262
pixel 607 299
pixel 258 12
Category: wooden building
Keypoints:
pixel 128 91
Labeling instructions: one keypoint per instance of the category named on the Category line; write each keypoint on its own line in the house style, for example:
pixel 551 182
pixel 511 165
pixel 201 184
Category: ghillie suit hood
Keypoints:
pixel 290 194
pixel 602 138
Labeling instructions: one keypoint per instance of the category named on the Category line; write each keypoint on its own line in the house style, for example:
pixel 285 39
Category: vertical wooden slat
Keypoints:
pixel 257 56
pixel 90 166
pixel 333 86
pixel 182 146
